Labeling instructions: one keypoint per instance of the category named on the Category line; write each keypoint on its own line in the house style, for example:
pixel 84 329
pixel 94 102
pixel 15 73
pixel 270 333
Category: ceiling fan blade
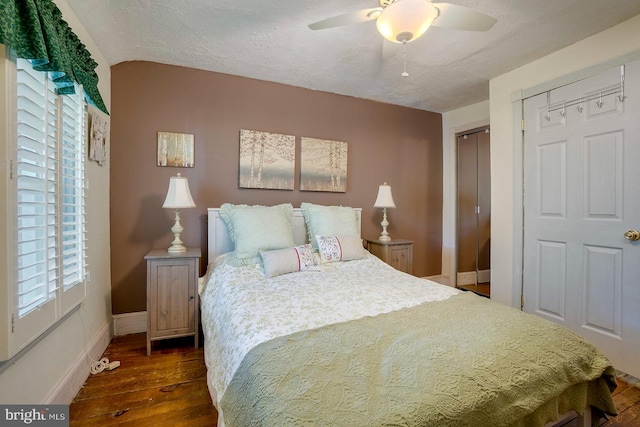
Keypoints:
pixel 462 18
pixel 390 49
pixel 355 17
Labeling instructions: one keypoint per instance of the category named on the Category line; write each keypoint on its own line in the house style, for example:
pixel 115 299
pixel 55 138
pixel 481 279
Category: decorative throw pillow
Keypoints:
pixel 257 228
pixel 340 248
pixel 289 260
pixel 329 221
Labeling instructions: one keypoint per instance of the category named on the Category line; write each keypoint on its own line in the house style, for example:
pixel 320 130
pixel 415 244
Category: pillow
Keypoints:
pixel 329 221
pixel 257 228
pixel 340 248
pixel 289 260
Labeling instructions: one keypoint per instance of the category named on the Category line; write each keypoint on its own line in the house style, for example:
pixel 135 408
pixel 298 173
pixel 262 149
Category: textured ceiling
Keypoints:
pixel 270 40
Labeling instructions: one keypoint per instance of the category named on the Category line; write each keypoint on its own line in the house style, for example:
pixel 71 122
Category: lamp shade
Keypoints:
pixel 406 20
pixel 385 198
pixel 178 195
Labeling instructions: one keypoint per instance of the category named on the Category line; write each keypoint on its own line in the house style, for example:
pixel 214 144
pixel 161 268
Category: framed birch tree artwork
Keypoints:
pixel 323 165
pixel 267 160
pixel 175 149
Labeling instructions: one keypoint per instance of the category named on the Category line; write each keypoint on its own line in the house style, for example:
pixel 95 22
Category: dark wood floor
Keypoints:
pixel 170 388
pixel 167 388
pixel 627 400
pixel 483 289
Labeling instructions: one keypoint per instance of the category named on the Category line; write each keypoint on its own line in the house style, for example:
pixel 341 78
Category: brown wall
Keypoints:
pixel 399 145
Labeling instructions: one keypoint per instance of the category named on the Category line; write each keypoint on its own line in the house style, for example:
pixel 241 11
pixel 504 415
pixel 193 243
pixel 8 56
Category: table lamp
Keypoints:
pixel 178 197
pixel 384 201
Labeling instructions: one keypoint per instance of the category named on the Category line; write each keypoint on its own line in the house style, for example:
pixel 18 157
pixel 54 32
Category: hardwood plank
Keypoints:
pixel 168 387
pixel 169 412
pixel 141 378
pixel 627 400
pixel 138 398
pixel 630 417
pixel 162 368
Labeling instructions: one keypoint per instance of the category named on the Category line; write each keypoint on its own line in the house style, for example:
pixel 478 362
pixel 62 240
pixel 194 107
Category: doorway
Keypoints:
pixel 473 225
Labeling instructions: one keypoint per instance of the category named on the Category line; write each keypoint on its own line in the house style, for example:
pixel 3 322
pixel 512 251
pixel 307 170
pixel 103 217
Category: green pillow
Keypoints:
pixel 329 221
pixel 257 228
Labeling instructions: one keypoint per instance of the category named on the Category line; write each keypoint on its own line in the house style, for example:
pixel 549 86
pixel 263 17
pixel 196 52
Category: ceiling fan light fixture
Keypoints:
pixel 374 14
pixel 406 20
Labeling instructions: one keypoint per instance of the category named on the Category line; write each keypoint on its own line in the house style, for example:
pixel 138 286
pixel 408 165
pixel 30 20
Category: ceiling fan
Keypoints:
pixel 403 21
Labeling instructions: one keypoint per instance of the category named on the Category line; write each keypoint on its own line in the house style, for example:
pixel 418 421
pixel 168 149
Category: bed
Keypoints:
pixel 341 338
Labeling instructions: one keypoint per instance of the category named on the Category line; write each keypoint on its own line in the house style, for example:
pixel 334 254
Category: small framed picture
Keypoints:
pixel 98 135
pixel 175 149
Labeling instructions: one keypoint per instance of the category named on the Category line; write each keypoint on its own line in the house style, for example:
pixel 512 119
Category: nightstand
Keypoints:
pixel 398 253
pixel 172 295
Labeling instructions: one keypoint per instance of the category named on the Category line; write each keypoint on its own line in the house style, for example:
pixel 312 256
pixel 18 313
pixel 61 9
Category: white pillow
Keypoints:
pixel 257 228
pixel 329 221
pixel 289 260
pixel 340 248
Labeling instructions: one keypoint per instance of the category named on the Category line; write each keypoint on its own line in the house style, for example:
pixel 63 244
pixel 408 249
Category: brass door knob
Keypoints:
pixel 632 235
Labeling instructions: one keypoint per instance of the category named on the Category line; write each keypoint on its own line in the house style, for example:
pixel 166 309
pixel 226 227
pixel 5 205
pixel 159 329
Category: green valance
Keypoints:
pixel 35 30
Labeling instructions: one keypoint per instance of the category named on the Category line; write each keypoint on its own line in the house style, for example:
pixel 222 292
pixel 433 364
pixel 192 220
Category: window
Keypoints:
pixel 48 177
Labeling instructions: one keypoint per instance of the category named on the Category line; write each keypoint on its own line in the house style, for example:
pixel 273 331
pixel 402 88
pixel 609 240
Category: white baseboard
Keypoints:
pixel 438 279
pixel 484 276
pixel 469 277
pixel 73 379
pixel 466 278
pixel 129 323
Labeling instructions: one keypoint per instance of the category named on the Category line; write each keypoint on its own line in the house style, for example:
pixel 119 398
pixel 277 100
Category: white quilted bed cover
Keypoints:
pixel 241 309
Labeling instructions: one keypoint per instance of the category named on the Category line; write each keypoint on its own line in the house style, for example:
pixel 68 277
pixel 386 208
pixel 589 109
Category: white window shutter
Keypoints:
pixel 33 162
pixel 50 204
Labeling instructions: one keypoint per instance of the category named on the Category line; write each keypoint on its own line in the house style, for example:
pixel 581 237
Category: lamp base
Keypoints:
pixel 177 246
pixel 384 237
pixel 176 249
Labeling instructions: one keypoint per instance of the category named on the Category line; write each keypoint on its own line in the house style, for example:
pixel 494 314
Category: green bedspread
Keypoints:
pixel 465 361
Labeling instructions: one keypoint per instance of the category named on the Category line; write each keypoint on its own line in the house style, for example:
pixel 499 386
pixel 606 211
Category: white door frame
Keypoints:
pixel 450 203
pixel 517 99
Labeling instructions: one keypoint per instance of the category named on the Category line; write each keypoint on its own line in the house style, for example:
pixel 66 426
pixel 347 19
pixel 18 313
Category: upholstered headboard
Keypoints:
pixel 220 243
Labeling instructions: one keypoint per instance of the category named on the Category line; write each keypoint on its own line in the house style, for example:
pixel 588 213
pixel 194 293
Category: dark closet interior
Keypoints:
pixel 474 211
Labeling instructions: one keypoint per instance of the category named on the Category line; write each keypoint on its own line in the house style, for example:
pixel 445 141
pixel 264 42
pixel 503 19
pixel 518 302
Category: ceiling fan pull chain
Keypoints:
pixel 404 59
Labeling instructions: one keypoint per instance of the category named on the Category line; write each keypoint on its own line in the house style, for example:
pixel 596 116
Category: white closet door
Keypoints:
pixel 582 193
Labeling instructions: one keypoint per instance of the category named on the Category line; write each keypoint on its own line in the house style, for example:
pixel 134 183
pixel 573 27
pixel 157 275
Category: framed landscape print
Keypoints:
pixel 267 160
pixel 323 165
pixel 175 149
